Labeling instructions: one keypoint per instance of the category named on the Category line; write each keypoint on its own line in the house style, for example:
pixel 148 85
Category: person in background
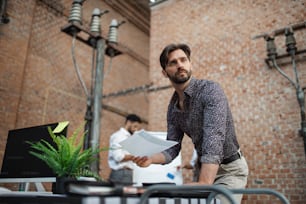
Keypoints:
pixel 119 160
pixel 200 109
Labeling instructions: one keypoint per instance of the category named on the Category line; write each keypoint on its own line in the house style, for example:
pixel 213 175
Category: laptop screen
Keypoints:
pixel 17 161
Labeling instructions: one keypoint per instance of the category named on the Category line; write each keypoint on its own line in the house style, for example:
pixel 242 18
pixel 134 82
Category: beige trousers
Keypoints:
pixel 232 176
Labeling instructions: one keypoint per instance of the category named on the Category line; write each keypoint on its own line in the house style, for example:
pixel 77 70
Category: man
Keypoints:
pixel 199 109
pixel 119 160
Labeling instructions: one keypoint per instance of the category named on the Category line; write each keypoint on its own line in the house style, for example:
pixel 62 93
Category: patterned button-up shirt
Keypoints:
pixel 206 119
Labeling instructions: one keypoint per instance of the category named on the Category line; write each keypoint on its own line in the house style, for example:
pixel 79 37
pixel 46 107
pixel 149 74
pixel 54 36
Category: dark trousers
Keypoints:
pixel 121 177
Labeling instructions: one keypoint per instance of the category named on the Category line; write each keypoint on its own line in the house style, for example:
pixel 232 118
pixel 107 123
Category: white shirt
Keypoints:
pixel 194 158
pixel 116 153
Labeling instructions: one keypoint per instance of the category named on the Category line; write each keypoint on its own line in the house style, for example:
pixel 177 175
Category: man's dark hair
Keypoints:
pixel 163 59
pixel 133 118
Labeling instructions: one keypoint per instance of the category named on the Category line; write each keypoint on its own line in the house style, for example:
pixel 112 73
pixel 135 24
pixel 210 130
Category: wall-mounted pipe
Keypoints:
pixel 281 31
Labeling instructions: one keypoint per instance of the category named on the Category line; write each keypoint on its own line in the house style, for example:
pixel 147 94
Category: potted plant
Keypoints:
pixel 67 159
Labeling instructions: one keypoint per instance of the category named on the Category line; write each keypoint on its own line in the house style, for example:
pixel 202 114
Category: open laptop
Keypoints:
pixel 18 164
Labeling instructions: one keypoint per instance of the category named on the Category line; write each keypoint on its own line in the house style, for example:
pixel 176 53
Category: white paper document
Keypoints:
pixel 143 143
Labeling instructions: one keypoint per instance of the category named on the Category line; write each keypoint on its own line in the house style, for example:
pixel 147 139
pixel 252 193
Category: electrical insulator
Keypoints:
pixel 112 33
pixel 95 26
pixel 76 12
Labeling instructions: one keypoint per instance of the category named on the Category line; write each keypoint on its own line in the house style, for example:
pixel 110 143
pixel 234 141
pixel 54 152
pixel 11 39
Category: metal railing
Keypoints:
pixel 185 191
pixel 204 191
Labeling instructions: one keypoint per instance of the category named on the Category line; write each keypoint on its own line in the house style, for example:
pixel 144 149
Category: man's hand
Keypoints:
pixel 127 157
pixel 142 161
pixel 184 166
pixel 146 161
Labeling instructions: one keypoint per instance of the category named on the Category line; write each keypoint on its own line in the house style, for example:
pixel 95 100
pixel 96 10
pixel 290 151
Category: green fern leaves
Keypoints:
pixel 67 158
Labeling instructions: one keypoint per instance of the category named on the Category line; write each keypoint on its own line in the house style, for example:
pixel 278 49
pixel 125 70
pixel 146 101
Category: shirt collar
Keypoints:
pixel 125 131
pixel 189 89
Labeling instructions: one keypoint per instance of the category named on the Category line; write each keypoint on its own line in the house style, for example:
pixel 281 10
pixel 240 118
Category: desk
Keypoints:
pixel 24 183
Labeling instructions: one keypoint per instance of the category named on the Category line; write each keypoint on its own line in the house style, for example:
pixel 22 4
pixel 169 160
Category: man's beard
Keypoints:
pixel 130 131
pixel 178 79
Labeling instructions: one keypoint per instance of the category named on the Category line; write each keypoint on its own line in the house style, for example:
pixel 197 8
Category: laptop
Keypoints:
pixel 18 164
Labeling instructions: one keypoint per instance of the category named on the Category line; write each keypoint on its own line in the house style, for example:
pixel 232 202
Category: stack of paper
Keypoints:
pixel 144 144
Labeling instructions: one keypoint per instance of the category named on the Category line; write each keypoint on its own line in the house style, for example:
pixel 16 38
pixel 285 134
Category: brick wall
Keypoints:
pixel 264 104
pixel 38 82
